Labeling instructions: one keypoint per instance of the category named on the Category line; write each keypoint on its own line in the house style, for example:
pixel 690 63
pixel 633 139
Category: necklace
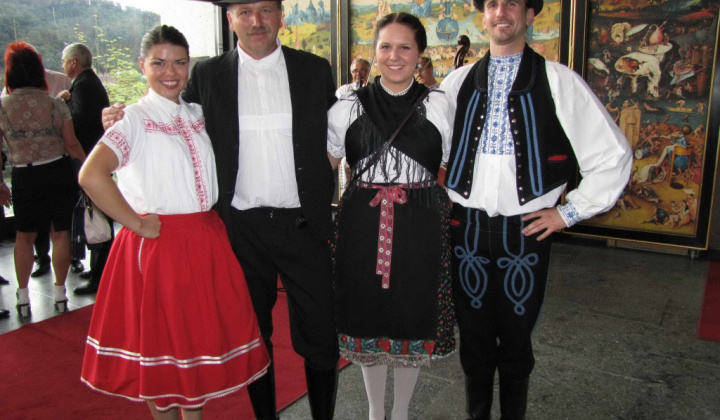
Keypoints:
pixel 391 93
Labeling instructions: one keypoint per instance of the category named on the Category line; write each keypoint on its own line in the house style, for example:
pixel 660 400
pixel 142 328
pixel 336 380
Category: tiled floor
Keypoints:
pixel 616 340
pixel 41 292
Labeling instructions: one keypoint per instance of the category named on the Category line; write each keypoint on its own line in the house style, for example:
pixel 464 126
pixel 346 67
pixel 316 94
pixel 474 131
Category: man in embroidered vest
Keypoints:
pixel 521 126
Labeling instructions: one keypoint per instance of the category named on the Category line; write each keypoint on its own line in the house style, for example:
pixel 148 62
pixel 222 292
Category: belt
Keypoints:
pixel 387 197
pixel 38 163
pixel 274 212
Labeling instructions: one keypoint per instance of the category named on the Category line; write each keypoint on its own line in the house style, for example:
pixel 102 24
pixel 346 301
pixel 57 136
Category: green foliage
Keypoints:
pixel 112 34
pixel 129 86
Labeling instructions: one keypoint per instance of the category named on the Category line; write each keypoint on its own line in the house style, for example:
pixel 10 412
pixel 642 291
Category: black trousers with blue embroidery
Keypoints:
pixel 499 279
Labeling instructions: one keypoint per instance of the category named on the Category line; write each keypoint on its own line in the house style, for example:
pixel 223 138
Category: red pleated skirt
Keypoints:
pixel 173 321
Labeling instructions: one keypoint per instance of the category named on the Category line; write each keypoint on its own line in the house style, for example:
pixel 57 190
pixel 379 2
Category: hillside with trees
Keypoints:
pixel 112 33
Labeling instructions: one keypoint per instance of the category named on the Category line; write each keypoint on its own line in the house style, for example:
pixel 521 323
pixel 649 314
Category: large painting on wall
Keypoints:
pixel 445 21
pixel 652 63
pixel 308 26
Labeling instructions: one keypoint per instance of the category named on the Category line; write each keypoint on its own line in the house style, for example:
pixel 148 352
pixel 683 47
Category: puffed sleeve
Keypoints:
pixel 451 86
pixel 440 110
pixel 340 116
pixel 122 137
pixel 602 151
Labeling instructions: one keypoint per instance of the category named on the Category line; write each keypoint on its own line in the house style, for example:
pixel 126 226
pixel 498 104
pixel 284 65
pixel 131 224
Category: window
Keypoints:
pixel 111 29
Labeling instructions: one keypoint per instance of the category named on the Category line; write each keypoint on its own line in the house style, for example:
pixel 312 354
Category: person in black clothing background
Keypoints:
pixel 86 99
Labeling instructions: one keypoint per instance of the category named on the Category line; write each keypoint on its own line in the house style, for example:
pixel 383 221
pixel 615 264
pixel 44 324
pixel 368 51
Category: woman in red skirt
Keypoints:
pixel 173 324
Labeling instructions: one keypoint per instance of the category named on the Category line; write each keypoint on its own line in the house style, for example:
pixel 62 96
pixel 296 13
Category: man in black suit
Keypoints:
pixel 86 99
pixel 265 111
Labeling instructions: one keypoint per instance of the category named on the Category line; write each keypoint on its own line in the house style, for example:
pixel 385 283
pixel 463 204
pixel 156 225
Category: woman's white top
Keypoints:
pixel 344 112
pixel 166 160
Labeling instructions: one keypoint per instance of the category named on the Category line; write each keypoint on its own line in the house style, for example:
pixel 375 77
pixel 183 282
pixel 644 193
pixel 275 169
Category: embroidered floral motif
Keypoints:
pixel 569 213
pixel 158 127
pixel 496 138
pixel 386 197
pixel 187 130
pixel 120 142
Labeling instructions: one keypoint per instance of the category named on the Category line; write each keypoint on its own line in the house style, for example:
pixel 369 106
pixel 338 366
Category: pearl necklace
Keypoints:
pixel 391 93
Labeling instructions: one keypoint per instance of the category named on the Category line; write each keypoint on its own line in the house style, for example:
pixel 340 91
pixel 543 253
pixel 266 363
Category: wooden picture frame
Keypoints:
pixel 654 65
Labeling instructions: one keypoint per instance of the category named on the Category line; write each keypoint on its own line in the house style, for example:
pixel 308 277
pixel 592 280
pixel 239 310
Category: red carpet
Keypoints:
pixel 40 374
pixel 709 325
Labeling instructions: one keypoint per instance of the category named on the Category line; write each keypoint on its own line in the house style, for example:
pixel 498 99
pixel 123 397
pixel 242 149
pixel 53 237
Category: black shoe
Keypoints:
pixel 88 288
pixel 513 398
pixel 262 396
pixel 85 275
pixel 40 270
pixel 4 313
pixel 479 396
pixel 3 280
pixel 322 391
pixel 77 266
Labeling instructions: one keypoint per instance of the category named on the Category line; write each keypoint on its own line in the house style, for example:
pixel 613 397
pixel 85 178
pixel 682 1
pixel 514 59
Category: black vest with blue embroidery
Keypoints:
pixel 544 157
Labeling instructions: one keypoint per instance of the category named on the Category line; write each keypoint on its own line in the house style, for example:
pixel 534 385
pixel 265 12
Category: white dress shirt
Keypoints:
pixel 266 165
pixel 347 89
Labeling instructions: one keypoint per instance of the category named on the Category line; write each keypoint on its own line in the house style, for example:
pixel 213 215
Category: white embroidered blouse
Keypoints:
pixel 167 164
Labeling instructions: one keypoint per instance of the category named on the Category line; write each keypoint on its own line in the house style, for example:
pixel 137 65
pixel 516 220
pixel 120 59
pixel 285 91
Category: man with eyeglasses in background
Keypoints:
pixel 360 70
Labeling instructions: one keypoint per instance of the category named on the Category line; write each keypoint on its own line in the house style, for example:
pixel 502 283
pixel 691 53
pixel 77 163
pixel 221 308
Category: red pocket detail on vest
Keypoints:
pixel 557 158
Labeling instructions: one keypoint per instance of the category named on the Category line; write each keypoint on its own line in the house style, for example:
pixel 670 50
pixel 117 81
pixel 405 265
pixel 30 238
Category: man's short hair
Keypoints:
pixel 79 52
pixel 229 4
pixel 359 60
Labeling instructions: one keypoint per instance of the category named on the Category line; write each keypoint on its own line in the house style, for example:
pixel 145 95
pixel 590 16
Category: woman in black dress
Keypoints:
pixel 391 252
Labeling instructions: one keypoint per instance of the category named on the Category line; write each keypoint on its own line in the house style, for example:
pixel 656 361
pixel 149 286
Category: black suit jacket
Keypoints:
pixel 87 100
pixel 213 84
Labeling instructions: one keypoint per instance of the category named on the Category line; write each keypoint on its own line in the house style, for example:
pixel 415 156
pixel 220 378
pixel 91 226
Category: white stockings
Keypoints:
pixel 405 380
pixel 375 378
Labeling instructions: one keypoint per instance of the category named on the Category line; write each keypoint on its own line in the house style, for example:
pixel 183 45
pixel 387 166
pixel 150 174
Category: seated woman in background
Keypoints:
pixel 173 324
pixel 39 134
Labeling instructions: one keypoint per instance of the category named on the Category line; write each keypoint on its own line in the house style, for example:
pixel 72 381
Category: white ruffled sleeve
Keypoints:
pixel 602 151
pixel 440 112
pixel 340 116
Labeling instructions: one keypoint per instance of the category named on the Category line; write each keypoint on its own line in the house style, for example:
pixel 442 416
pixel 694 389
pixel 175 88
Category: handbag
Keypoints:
pixel 97 227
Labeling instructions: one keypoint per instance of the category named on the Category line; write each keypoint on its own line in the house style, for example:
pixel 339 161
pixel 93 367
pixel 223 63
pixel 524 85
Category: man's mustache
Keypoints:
pixel 260 30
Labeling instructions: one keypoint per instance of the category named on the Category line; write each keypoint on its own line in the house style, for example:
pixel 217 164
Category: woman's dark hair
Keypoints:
pixel 162 34
pixel 408 20
pixel 23 67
